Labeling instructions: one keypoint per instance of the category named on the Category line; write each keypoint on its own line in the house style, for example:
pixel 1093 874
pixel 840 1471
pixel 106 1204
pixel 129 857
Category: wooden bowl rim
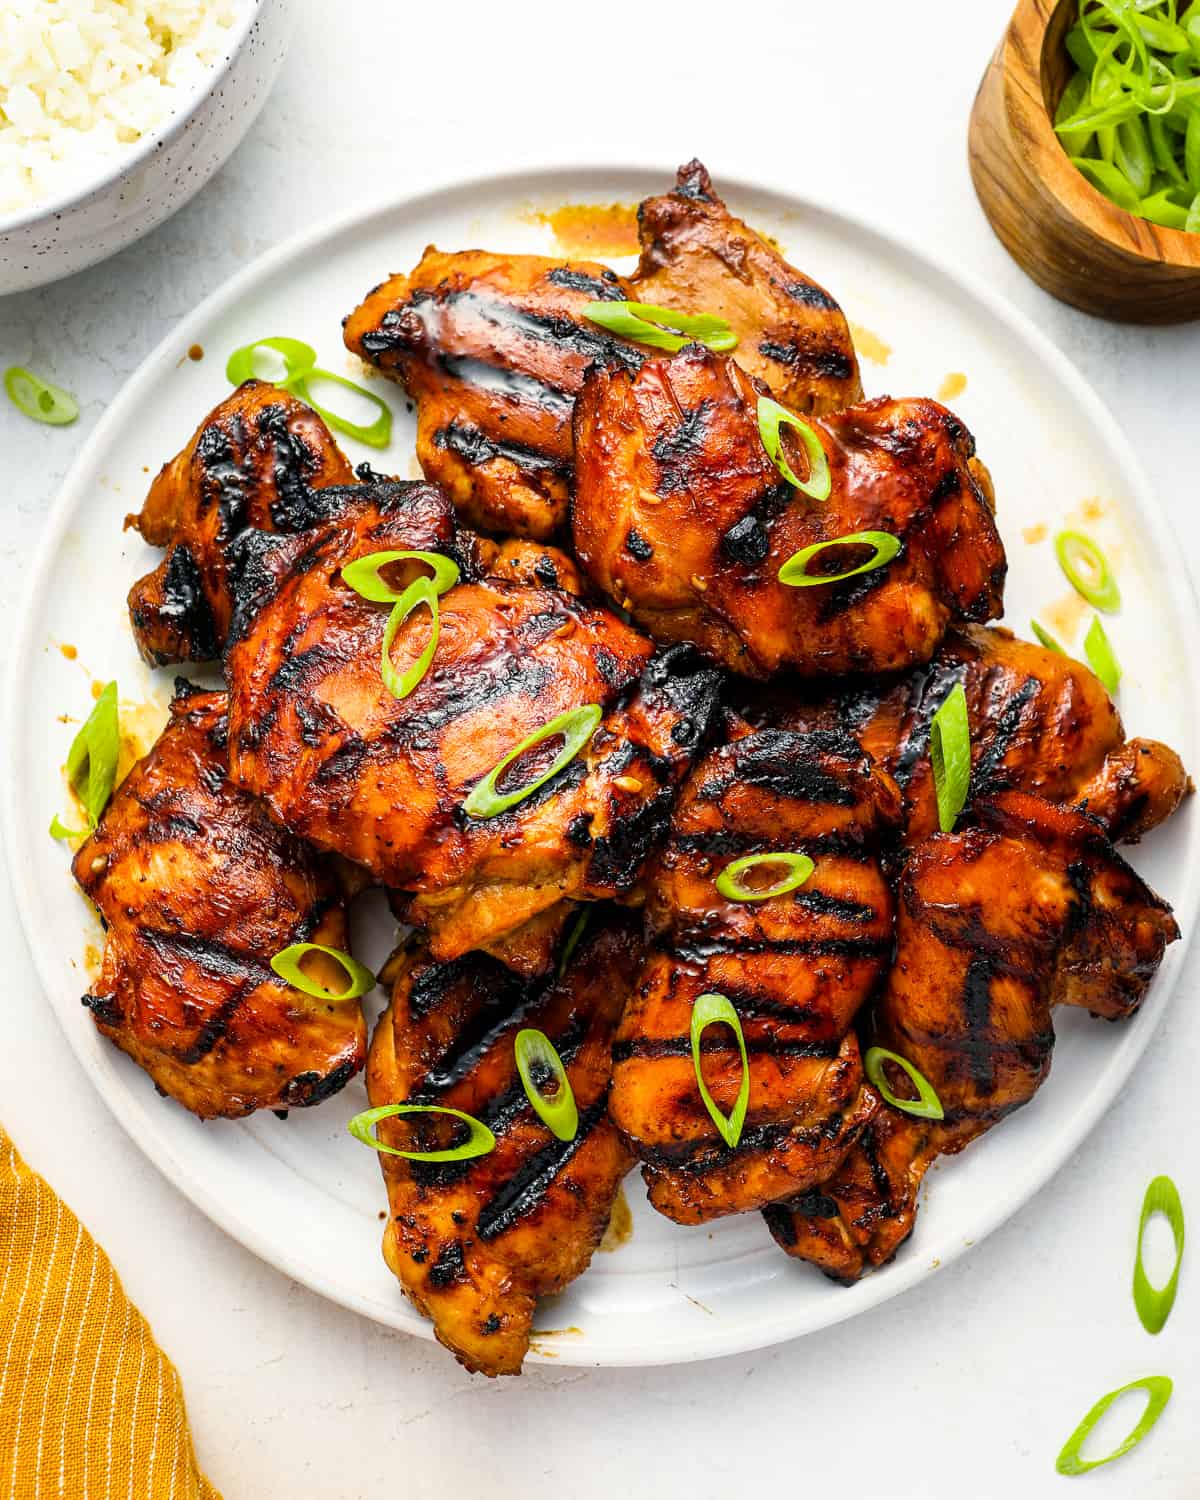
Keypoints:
pixel 1176 248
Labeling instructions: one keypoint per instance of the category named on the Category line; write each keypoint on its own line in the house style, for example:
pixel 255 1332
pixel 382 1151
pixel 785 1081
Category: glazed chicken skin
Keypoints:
pixel 1029 908
pixel 198 889
pixel 493 349
pixel 382 781
pixel 1040 722
pixel 252 462
pixel 681 517
pixel 792 335
pixel 796 968
pixel 475 1243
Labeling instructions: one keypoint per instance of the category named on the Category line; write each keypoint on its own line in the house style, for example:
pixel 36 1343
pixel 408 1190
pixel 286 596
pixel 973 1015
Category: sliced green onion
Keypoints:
pixel 377 434
pixel 1087 570
pixel 1158 1387
pixel 92 761
pixel 576 726
pixel 1153 1303
pixel 1110 181
pixel 578 927
pixel 771 417
pixel 363 574
pixel 478 1143
pixel 1193 219
pixel 1164 152
pixel 797 867
pixel 1133 156
pixel 950 754
pixel 926 1107
pixel 298 359
pixel 1074 142
pixel 647 324
pixel 59 830
pixel 1047 639
pixel 1101 657
pixel 38 399
pixel 709 1010
pixel 287 961
pixel 420 591
pixel 539 1064
pixel 1161 208
pixel 1191 150
pixel 795 572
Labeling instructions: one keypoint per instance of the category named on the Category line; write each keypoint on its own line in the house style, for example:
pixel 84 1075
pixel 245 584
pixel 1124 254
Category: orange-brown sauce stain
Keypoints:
pixel 1063 616
pixel 97 687
pixel 620 1225
pixel 141 724
pixel 1035 534
pixel 952 387
pixel 552 1333
pixel 92 959
pixel 1092 509
pixel 591 229
pixel 869 345
pixel 196 352
pixel 69 651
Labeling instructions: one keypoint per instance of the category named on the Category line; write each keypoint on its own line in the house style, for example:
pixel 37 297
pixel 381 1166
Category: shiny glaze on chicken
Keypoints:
pixel 792 335
pixel 198 890
pixel 682 518
pixel 476 1243
pixel 795 967
pixel 1028 908
pixel 252 462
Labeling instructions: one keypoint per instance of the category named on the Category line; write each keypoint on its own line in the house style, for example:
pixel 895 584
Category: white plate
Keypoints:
pixel 301 1193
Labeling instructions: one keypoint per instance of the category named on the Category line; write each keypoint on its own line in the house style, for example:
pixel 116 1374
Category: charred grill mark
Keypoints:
pixel 307 1089
pixel 807 294
pixel 449 1267
pixel 431 986
pixel 977 1013
pixel 476 448
pixel 637 546
pixel 603 288
pixel 827 361
pixel 498 1013
pixel 821 904
pixel 781 1223
pixel 677 451
pixel 747 541
pixel 930 690
pixel 947 487
pixel 505 675
pixel 696 949
pixel 1004 727
pixel 522 1194
pixel 731 841
pixel 184 606
pixel 786 763
pixel 681 1046
pixel 700 1157
pixel 500 381
pixel 225 478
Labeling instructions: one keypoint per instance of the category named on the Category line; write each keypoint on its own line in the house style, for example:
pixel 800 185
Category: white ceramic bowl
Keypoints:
pixel 160 173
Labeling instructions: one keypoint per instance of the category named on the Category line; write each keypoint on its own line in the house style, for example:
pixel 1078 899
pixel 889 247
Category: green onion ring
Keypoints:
pixel 578 927
pixel 535 1051
pixel 298 359
pixel 378 434
pixel 1073 549
pixel 647 324
pixel 798 869
pixel 950 755
pixel 1159 1388
pixel 927 1107
pixel 38 399
pixel 1153 1303
pixel 92 761
pixel 707 1011
pixel 576 726
pixel 794 572
pixel 420 591
pixel 1047 639
pixel 286 964
pixel 363 574
pixel 771 417
pixel 1101 657
pixel 59 830
pixel 478 1143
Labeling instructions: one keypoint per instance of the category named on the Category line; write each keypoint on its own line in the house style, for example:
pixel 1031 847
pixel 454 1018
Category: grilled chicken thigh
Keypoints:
pixel 997 923
pixel 792 335
pixel 252 462
pixel 475 1243
pixel 382 781
pixel 796 968
pixel 198 890
pixel 493 349
pixel 681 517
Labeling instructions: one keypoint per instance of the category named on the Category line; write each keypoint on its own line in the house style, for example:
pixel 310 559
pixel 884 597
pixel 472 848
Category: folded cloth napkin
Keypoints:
pixel 90 1406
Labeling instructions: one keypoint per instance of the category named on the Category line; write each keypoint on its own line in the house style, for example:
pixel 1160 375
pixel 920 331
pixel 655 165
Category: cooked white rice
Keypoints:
pixel 81 81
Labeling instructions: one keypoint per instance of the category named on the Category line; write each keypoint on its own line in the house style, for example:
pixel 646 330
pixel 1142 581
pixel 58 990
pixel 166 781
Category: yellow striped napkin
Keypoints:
pixel 90 1406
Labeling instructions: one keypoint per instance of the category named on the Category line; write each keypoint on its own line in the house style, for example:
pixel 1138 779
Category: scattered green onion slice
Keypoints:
pixel 709 1010
pixel 795 572
pixel 647 324
pixel 797 869
pixel 420 591
pixel 576 726
pixel 536 1055
pixel 1101 656
pixel 771 417
pixel 1087 570
pixel 1158 1387
pixel 363 574
pixel 39 399
pixel 92 761
pixel 298 359
pixel 478 1143
pixel 1153 1303
pixel 950 755
pixel 926 1107
pixel 578 927
pixel 287 961
pixel 377 434
pixel 59 830
pixel 1047 639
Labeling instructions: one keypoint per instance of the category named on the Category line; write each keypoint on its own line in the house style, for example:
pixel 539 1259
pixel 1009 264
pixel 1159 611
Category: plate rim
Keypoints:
pixel 746 1334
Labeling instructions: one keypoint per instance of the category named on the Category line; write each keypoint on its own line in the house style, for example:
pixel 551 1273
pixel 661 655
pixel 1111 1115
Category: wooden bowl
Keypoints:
pixel 1058 228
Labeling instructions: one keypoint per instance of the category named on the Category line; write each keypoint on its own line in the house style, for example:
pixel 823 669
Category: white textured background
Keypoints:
pixel 967 1386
